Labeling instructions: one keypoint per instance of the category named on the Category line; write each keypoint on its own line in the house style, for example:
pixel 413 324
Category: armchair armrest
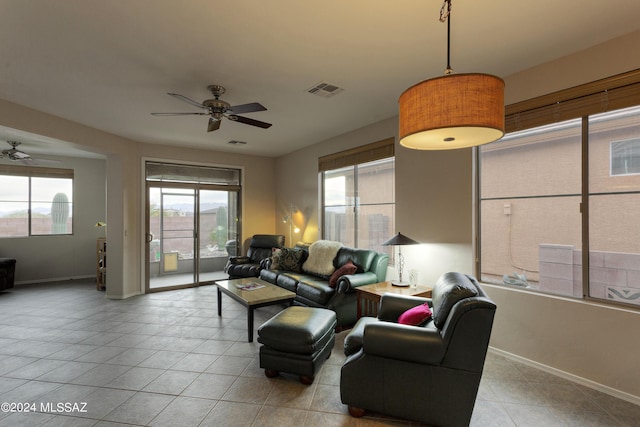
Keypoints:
pixel 349 282
pixel 393 305
pixel 403 342
pixel 235 260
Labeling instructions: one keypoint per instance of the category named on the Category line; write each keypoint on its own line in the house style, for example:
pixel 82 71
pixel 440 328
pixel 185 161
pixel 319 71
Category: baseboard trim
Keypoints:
pixel 53 279
pixel 569 376
pixel 119 297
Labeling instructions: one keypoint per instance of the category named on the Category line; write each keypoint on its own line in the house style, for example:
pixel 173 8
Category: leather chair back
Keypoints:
pixel 261 244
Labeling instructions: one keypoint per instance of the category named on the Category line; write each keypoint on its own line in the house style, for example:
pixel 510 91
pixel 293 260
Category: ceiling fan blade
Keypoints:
pixel 247 108
pixel 213 124
pixel 248 121
pixel 19 155
pixel 185 99
pixel 179 114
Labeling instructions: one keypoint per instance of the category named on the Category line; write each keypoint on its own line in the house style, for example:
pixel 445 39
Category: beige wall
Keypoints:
pixel 610 58
pixel 595 345
pixel 125 202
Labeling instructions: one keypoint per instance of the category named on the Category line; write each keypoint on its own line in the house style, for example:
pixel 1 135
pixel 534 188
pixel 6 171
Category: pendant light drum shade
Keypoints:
pixel 452 111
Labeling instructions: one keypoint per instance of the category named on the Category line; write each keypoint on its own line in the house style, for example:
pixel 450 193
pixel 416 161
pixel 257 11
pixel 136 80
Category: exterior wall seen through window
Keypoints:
pixel 531 218
pixel 359 204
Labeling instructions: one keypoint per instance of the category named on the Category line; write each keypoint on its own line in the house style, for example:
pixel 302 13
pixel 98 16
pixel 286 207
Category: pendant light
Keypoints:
pixel 452 111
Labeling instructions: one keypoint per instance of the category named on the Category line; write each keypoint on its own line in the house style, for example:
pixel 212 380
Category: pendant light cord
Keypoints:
pixel 445 15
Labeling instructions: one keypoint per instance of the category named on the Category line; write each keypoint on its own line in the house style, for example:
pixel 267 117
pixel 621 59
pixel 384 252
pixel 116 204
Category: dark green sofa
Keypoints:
pixel 314 291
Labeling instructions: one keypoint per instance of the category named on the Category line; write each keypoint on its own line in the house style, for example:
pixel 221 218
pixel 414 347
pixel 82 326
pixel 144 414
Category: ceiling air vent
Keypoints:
pixel 234 142
pixel 325 90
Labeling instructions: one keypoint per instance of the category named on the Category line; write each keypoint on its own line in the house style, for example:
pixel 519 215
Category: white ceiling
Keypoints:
pixel 109 64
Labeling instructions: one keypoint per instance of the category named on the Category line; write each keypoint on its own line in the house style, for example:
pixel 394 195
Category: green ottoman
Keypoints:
pixel 297 340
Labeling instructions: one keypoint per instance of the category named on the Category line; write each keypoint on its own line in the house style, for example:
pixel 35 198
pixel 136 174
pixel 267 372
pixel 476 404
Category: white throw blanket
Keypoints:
pixel 321 255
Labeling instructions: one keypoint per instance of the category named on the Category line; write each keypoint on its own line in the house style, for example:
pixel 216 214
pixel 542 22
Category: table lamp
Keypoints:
pixel 400 240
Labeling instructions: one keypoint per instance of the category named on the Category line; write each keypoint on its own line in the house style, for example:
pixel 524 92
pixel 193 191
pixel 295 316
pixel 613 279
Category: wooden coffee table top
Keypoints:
pixel 387 287
pixel 265 294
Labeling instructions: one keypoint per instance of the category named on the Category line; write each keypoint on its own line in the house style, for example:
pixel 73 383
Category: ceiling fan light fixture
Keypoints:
pixel 217 109
pixel 452 111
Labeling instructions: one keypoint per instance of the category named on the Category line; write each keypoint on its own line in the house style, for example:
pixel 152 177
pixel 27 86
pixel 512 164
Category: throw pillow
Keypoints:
pixel 289 259
pixel 320 260
pixel 275 258
pixel 348 268
pixel 416 315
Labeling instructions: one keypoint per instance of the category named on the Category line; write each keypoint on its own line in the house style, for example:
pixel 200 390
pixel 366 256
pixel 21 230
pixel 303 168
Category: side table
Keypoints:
pixel 368 296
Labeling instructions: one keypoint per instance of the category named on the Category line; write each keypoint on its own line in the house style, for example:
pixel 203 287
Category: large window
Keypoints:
pixel 359 201
pixel 530 186
pixel 35 201
pixel 548 193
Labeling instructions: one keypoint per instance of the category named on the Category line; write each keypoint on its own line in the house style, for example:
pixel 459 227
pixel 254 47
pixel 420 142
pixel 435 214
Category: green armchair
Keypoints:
pixel 428 373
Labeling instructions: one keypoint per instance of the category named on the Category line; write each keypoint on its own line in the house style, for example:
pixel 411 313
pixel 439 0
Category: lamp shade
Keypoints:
pixel 400 240
pixel 452 111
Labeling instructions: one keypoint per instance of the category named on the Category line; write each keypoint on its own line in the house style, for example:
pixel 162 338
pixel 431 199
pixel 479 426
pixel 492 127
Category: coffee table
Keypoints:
pixel 264 294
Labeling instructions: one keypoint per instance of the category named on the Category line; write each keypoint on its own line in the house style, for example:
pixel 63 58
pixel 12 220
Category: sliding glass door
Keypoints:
pixel 192 224
pixel 171 237
pixel 218 233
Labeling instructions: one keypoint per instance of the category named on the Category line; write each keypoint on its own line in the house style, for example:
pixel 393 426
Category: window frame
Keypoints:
pixel 580 102
pixel 611 154
pixel 353 158
pixel 31 172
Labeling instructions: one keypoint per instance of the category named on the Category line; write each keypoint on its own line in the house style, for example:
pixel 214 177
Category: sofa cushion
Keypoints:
pixel 289 259
pixel 287 281
pixel 321 256
pixel 316 290
pixel 362 258
pixel 270 275
pixel 348 268
pixel 448 290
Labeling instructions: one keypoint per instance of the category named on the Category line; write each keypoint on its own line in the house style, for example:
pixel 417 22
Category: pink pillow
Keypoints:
pixel 416 315
pixel 348 268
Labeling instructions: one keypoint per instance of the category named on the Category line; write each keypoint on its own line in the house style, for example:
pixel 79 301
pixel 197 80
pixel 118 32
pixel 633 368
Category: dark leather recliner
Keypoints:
pixel 7 273
pixel 427 373
pixel 258 253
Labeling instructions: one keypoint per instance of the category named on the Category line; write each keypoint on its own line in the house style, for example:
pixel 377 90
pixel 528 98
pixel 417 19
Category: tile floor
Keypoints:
pixel 167 359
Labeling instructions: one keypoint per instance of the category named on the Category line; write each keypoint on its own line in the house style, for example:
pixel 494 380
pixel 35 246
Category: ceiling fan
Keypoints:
pixel 217 109
pixel 16 155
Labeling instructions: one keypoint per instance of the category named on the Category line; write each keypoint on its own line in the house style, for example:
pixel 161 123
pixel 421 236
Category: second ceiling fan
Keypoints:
pixel 217 109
